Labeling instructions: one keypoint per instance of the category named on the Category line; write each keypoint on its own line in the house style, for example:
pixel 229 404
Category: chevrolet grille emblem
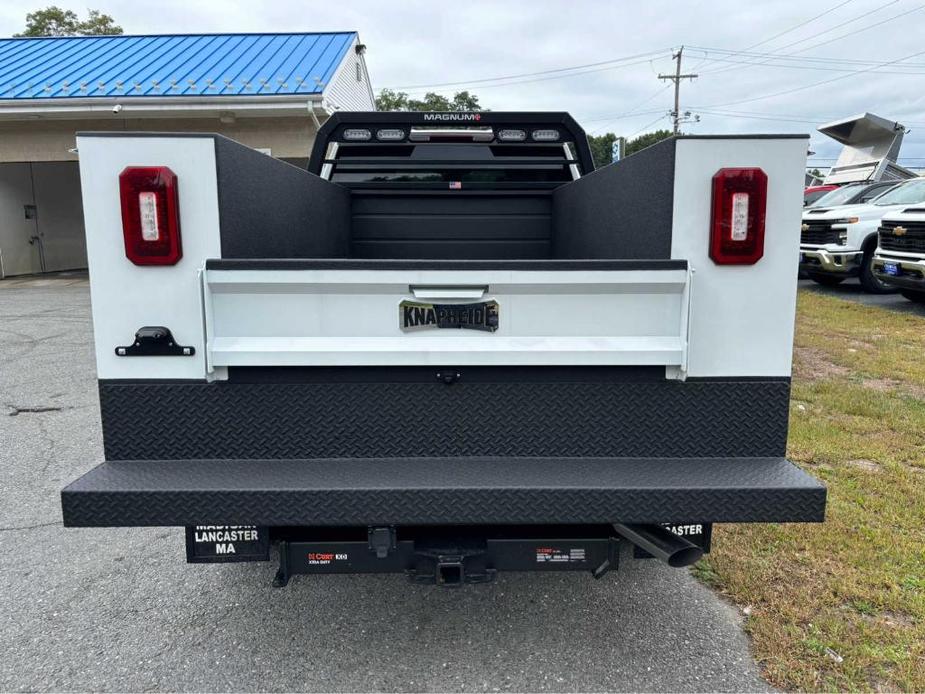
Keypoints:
pixel 899 231
pixel 805 227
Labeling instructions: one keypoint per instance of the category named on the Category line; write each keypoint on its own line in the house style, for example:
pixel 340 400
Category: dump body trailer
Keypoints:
pixel 870 150
pixel 447 349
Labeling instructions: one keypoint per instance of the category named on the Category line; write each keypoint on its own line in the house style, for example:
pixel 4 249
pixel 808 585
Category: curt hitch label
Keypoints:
pixel 566 555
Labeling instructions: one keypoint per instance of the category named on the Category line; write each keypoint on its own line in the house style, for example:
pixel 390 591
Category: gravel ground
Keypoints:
pixel 119 610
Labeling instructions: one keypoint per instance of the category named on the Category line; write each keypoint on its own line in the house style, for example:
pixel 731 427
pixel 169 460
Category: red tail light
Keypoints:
pixel 740 198
pixel 150 215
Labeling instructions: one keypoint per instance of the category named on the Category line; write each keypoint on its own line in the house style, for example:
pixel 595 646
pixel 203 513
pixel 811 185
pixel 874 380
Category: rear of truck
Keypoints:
pixel 448 349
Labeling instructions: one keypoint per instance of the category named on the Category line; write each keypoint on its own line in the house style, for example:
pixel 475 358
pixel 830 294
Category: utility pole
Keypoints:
pixel 676 78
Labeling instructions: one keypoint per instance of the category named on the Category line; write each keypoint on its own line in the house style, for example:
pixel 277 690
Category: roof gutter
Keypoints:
pixel 139 106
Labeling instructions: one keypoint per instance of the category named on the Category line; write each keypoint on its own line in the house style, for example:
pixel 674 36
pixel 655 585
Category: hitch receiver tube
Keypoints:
pixel 660 542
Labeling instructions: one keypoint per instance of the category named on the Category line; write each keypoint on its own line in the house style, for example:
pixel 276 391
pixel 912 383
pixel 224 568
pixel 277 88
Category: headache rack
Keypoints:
pixel 451 151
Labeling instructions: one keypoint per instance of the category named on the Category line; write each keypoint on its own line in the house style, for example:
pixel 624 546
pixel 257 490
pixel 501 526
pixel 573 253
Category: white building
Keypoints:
pixel 269 91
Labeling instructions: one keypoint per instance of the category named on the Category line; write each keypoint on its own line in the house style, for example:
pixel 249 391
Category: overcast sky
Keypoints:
pixel 757 61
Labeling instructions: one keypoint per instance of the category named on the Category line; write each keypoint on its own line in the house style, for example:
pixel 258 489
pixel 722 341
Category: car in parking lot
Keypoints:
pixel 900 257
pixel 852 194
pixel 812 193
pixel 839 242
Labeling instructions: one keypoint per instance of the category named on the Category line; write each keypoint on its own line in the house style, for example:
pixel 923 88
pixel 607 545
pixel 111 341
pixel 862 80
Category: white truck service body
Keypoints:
pixel 443 350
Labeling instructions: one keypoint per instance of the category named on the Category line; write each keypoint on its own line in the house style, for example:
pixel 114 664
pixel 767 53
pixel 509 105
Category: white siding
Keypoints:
pixel 347 93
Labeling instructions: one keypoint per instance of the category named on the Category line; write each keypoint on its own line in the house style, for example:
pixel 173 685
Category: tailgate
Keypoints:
pixel 362 312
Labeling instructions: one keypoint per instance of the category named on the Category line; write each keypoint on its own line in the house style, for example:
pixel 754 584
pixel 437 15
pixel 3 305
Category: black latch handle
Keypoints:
pixel 154 341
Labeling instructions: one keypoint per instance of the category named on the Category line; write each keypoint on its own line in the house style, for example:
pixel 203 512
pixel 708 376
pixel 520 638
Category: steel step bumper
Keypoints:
pixel 437 491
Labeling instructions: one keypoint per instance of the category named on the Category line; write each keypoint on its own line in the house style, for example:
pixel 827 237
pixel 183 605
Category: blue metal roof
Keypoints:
pixel 174 65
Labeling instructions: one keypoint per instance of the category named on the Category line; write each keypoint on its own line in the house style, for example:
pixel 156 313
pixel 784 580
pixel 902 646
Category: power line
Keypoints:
pixel 801 59
pixel 645 127
pixel 529 74
pixel 550 77
pixel 786 31
pixel 837 26
pixel 621 116
pixel 797 66
pixel 781 117
pixel 825 62
pixel 814 84
pixel 790 56
pixel 801 24
pixel 633 111
pixel 756 117
pixel 862 29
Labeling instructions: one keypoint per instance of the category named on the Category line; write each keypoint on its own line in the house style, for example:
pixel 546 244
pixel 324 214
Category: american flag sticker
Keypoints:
pixel 455 185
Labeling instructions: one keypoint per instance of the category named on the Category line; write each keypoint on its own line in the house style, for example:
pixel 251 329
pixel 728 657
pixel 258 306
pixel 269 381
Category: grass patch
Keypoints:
pixel 841 606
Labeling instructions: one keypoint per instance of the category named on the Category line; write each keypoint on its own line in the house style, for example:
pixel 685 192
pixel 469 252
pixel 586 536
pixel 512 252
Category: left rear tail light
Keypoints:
pixel 737 228
pixel 150 215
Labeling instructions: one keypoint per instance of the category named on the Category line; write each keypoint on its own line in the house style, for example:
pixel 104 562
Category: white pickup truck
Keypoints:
pixel 449 348
pixel 839 242
pixel 900 257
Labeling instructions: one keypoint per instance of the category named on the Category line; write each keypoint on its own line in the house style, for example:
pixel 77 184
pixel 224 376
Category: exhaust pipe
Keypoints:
pixel 672 549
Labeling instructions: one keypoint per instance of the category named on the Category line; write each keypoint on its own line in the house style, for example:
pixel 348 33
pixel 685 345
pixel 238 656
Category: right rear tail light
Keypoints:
pixel 737 226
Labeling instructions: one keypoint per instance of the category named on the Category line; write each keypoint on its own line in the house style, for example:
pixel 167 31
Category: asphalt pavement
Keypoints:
pixel 120 610
pixel 851 290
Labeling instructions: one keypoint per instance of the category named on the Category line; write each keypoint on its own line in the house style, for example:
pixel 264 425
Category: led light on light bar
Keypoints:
pixel 390 134
pixel 512 135
pixel 546 135
pixel 357 134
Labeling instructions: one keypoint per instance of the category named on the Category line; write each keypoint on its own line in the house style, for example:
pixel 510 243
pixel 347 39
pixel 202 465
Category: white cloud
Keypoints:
pixel 424 42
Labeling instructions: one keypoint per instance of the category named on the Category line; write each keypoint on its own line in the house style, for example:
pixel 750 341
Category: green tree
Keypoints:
pixel 53 21
pixel 602 148
pixel 390 100
pixel 602 145
pixel 646 140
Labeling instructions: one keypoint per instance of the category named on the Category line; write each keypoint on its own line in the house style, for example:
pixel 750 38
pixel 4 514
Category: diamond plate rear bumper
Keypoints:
pixel 438 491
